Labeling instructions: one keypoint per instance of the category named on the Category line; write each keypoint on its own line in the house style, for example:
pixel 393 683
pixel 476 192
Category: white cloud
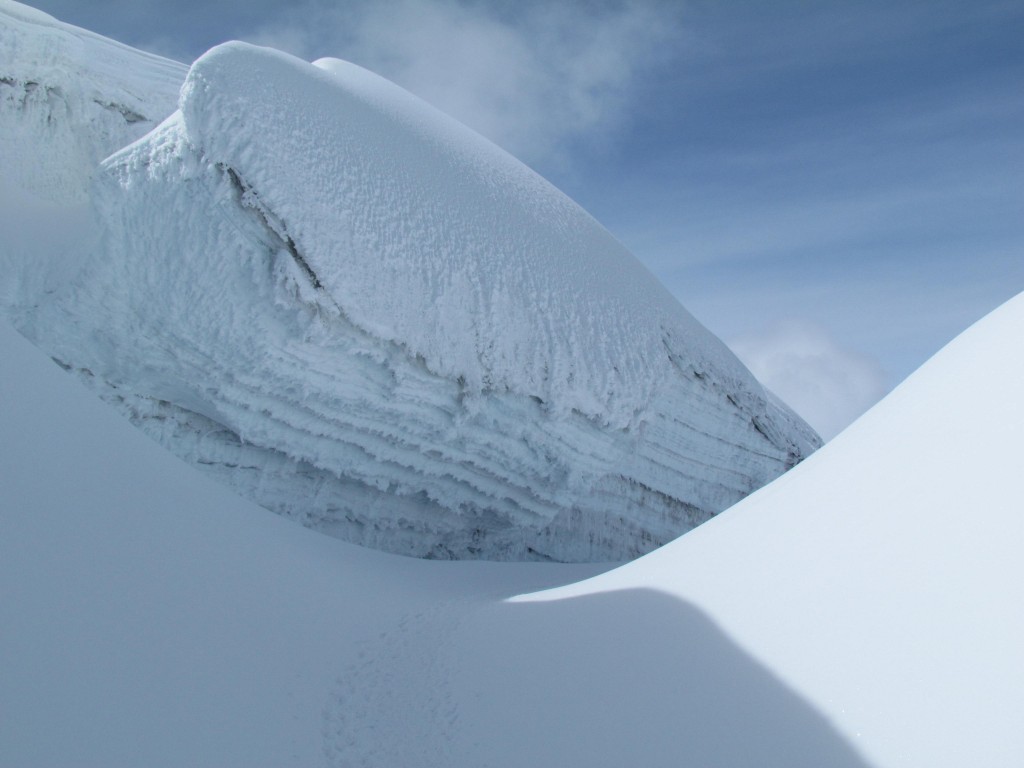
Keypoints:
pixel 826 384
pixel 531 76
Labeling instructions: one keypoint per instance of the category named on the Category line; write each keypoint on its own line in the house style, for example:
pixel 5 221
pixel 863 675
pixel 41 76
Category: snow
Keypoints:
pixel 862 610
pixel 69 98
pixel 368 318
pixel 361 314
pixel 882 577
pixel 424 234
pixel 150 616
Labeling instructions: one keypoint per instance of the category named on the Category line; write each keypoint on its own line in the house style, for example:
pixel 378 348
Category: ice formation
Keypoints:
pixel 68 98
pixel 364 316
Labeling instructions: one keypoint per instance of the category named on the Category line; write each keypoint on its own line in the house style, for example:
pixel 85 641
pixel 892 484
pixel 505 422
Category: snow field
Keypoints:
pixel 881 578
pixel 862 610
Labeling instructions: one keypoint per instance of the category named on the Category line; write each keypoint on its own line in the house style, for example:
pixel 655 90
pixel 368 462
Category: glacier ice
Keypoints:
pixel 69 98
pixel 366 317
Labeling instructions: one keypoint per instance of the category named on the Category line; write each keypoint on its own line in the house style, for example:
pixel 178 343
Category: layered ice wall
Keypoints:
pixel 365 316
pixel 358 312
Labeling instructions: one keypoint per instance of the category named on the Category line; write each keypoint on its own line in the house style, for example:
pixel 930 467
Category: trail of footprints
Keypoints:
pixel 393 706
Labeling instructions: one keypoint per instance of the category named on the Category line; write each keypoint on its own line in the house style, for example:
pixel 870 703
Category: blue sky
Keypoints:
pixel 835 189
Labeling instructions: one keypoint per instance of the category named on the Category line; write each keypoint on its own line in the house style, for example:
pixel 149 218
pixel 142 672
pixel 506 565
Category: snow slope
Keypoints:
pixel 366 317
pixel 882 578
pixel 862 610
pixel 151 617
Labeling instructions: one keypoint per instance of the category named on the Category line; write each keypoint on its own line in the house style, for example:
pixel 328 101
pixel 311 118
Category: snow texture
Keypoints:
pixel 152 617
pixel 862 610
pixel 882 577
pixel 366 317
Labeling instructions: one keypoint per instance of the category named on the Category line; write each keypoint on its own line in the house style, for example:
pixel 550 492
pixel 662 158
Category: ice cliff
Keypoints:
pixel 364 316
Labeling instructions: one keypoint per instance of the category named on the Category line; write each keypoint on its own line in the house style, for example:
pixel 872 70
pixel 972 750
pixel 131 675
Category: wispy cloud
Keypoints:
pixel 536 77
pixel 533 77
pixel 828 385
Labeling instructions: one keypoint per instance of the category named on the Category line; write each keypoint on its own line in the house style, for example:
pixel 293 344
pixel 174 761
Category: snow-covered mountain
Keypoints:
pixel 865 609
pixel 361 314
pixel 862 610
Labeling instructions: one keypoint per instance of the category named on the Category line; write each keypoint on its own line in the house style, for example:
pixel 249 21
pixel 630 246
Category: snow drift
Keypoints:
pixel 152 617
pixel 862 610
pixel 882 578
pixel 366 317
